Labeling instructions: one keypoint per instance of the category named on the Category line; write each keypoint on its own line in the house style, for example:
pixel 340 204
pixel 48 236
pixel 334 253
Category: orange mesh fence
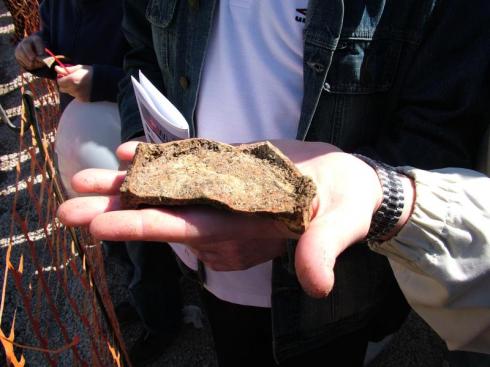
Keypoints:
pixel 55 308
pixel 24 15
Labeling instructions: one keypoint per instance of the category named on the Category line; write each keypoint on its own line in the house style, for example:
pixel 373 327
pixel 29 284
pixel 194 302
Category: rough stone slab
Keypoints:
pixel 254 179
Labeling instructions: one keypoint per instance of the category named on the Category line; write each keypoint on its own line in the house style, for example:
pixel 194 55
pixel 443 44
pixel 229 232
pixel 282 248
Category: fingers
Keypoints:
pixel 68 84
pixel 190 225
pixel 126 151
pixel 64 80
pixel 81 211
pixel 77 81
pixel 98 181
pixel 27 52
pixel 184 224
pixel 65 83
pixel 67 70
pixel 218 262
pixel 68 81
pixel 73 68
pixel 21 55
pixel 239 254
pixel 60 71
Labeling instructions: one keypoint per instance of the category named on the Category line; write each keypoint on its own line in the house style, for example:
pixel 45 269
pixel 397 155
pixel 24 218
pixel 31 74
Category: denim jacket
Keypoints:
pixel 402 81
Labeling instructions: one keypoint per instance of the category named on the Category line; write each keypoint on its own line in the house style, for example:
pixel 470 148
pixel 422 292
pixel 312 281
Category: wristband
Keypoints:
pixel 386 217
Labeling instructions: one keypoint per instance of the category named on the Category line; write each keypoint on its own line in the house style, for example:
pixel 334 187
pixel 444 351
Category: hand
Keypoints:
pixel 348 193
pixel 27 52
pixel 76 81
pixel 123 164
pixel 238 254
pixel 229 255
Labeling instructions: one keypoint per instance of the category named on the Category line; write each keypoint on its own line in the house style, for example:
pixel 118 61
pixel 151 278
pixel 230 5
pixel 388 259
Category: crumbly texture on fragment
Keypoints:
pixel 255 179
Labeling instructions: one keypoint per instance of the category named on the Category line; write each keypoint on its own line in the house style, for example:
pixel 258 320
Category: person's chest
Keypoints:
pixel 88 32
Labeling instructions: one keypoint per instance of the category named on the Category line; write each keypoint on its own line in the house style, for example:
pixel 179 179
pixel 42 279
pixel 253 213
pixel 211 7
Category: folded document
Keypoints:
pixel 162 121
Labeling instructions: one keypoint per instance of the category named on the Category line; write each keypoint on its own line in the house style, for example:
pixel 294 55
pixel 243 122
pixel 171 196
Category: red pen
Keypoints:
pixel 58 61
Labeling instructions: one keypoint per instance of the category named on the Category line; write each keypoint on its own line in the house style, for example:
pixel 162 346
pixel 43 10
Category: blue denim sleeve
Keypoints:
pixel 141 56
pixel 442 110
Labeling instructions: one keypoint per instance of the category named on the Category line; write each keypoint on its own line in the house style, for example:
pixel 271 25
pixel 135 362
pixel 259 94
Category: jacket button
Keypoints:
pixel 316 66
pixel 193 4
pixel 184 82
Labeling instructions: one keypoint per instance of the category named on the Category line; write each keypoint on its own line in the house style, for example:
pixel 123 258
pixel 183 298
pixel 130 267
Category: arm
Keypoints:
pixel 90 83
pixel 441 108
pixel 31 47
pixel 442 115
pixel 45 10
pixel 140 57
pixel 441 257
pixel 105 80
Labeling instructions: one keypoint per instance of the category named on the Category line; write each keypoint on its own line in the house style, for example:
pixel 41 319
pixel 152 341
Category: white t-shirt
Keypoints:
pixel 251 89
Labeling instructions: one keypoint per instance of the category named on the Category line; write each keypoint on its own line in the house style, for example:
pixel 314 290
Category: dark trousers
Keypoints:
pixel 468 359
pixel 155 286
pixel 243 337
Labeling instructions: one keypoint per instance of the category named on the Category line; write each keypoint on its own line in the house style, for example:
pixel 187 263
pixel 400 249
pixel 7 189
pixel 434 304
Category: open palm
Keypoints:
pixel 348 192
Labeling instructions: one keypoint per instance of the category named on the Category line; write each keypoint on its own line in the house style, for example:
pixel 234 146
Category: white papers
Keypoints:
pixel 162 122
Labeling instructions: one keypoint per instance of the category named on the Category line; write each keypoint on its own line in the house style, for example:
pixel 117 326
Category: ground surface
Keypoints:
pixel 414 346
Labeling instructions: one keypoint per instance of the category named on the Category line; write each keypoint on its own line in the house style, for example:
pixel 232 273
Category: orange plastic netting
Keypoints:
pixel 55 307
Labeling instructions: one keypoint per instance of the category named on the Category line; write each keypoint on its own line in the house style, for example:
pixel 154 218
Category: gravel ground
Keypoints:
pixel 415 345
pixel 38 256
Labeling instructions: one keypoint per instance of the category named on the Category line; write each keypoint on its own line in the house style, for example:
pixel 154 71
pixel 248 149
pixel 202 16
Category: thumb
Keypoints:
pixel 67 69
pixel 315 256
pixel 61 71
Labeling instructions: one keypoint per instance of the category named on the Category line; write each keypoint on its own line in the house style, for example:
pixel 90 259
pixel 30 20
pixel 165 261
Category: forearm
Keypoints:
pixel 449 212
pixel 105 82
pixel 45 14
pixel 441 256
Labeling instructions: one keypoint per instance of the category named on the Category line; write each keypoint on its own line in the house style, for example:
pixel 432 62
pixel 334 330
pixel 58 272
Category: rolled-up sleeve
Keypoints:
pixel 441 258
